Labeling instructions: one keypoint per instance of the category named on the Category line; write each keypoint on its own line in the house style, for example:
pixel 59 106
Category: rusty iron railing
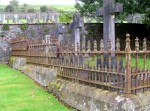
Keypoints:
pixel 95 67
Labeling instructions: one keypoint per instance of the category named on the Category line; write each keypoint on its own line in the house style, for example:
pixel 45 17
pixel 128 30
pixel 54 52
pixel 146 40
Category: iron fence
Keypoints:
pixel 108 70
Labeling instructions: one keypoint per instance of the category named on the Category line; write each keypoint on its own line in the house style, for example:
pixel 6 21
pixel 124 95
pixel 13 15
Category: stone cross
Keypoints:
pixel 108 12
pixel 77 25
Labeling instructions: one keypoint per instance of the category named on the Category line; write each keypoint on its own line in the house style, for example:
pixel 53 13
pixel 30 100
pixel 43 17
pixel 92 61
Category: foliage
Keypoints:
pixel 25 94
pixel 146 19
pixel 11 60
pixel 46 30
pixel 9 8
pixel 5 27
pixel 14 3
pixel 23 8
pixel 65 17
pixel 88 7
pixel 31 10
pixel 52 9
pixel 25 5
pixel 43 8
pixel 32 33
pixel 2 34
pixel 23 27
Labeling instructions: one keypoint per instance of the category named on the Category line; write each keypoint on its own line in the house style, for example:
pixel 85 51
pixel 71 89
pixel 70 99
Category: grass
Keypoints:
pixel 37 7
pixel 133 62
pixel 19 93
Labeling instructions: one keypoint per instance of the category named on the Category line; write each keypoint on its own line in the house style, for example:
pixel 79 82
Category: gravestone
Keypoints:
pixel 44 19
pixel 60 30
pixel 15 19
pixel 0 17
pixel 28 18
pixel 3 18
pixel 53 18
pixel 77 25
pixel 108 12
pixel 37 17
pixel 48 15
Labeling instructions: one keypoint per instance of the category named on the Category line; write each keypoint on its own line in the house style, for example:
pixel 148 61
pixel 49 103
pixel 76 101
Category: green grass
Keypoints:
pixel 133 62
pixel 37 7
pixel 19 93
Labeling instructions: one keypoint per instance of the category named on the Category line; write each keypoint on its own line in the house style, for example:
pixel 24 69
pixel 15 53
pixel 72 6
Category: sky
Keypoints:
pixel 57 2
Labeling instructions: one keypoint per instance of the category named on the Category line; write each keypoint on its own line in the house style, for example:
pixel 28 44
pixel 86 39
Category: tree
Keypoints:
pixel 43 8
pixel 65 17
pixel 31 10
pixel 23 8
pixel 146 19
pixel 9 8
pixel 25 5
pixel 88 7
pixel 14 3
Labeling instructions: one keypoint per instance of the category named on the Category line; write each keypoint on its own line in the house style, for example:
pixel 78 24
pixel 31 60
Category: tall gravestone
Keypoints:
pixel 77 25
pixel 47 18
pixel 3 18
pixel 60 32
pixel 37 17
pixel 108 12
pixel 28 18
pixel 16 18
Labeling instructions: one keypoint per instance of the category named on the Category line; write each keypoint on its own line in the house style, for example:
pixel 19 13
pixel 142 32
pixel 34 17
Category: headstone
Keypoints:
pixel 3 18
pixel 28 18
pixel 47 38
pixel 56 18
pixel 16 19
pixel 38 17
pixel 47 19
pixel 60 32
pixel 44 19
pixel 77 25
pixel 108 12
pixel 53 18
pixel 0 17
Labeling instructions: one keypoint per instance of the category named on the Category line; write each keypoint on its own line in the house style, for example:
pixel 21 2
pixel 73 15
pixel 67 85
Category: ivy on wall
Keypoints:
pixel 23 27
pixel 5 27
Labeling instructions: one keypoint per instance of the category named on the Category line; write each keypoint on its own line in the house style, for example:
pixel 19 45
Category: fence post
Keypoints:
pixel 128 65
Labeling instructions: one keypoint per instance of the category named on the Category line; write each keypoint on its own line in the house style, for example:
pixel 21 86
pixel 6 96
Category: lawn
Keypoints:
pixel 133 62
pixel 20 93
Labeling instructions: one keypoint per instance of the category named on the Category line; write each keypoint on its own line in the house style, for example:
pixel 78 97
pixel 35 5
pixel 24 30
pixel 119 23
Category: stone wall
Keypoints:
pixel 87 98
pixel 41 75
pixel 79 96
pixel 33 30
pixel 94 31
